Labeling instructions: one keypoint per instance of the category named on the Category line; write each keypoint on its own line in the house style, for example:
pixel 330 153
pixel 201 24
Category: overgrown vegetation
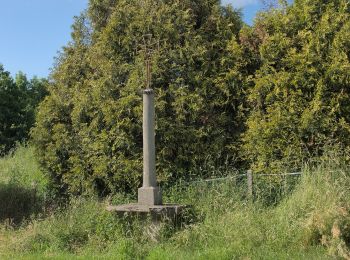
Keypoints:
pixel 23 186
pixel 299 101
pixel 272 96
pixel 268 96
pixel 89 128
pixel 312 222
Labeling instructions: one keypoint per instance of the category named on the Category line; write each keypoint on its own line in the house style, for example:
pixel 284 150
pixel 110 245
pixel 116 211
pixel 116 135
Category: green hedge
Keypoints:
pixel 89 129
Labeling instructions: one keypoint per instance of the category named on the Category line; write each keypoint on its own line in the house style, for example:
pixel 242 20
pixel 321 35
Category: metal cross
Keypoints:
pixel 148 47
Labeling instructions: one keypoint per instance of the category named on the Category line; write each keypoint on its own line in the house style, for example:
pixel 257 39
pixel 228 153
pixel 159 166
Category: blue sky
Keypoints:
pixel 33 31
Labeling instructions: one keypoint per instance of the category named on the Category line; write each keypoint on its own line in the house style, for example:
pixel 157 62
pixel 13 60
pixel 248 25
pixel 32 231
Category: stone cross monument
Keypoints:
pixel 149 193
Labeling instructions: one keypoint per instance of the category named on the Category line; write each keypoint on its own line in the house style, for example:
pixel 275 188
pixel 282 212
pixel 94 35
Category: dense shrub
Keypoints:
pixel 293 65
pixel 88 130
pixel 300 98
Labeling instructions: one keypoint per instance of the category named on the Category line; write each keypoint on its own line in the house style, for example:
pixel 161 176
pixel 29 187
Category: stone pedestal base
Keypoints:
pixel 157 212
pixel 159 215
pixel 149 196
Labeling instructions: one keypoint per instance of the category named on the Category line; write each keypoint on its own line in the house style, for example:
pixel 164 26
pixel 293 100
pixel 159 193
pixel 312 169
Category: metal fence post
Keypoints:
pixel 250 183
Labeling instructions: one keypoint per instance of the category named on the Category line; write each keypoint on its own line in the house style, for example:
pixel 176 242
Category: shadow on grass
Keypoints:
pixel 18 203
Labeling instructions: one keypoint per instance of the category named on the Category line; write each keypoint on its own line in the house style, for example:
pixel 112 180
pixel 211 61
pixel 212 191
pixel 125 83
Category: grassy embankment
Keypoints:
pixel 312 222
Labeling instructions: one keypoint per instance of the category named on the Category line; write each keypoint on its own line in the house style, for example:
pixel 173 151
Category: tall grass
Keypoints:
pixel 23 186
pixel 310 222
pixel 21 167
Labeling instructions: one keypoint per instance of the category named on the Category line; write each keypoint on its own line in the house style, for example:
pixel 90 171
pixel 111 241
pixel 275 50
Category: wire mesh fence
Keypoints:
pixel 267 188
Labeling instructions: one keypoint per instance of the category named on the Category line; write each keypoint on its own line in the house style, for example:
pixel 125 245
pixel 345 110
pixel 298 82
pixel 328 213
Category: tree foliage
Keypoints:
pixel 270 95
pixel 300 98
pixel 89 129
pixel 19 98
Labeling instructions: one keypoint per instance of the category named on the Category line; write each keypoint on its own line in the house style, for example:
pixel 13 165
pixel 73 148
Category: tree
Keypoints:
pixel 9 111
pixel 18 101
pixel 88 132
pixel 300 99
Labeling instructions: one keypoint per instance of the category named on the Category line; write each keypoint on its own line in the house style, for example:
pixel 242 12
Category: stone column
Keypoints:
pixel 149 193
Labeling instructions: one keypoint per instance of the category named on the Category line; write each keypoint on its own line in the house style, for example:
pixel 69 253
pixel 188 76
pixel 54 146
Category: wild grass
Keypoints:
pixel 23 186
pixel 310 221
pixel 21 167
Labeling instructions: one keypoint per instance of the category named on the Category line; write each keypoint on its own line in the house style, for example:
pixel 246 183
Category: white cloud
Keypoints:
pixel 240 3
